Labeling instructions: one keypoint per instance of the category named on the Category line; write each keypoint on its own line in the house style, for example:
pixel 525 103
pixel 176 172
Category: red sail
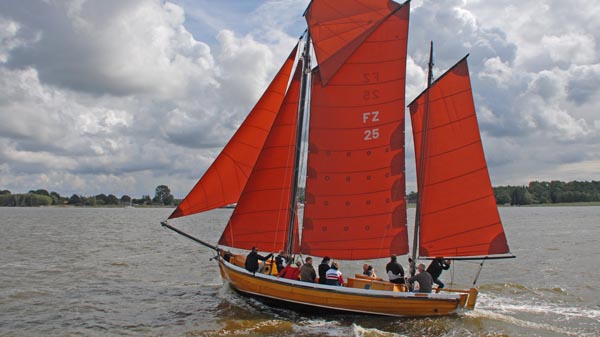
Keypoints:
pixel 261 217
pixel 355 192
pixel 338 28
pixel 459 216
pixel 226 177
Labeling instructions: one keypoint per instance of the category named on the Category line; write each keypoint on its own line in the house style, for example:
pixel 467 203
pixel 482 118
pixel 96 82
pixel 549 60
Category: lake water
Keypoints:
pixel 105 272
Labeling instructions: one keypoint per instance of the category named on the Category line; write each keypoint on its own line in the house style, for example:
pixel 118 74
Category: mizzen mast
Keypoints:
pixel 421 165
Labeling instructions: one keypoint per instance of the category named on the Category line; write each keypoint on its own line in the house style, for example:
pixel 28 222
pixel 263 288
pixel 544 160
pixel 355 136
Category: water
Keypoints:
pixel 106 272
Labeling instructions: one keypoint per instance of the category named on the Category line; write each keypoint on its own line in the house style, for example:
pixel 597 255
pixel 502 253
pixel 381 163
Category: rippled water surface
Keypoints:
pixel 105 272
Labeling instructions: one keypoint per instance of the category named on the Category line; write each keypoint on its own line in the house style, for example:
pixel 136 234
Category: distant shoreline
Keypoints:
pixel 409 205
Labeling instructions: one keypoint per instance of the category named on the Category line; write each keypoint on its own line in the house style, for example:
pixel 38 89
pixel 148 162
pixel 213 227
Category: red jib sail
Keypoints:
pixel 262 215
pixel 225 179
pixel 459 216
pixel 339 28
pixel 355 190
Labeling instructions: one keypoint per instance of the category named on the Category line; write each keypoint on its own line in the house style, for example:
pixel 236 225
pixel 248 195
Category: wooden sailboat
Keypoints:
pixel 355 205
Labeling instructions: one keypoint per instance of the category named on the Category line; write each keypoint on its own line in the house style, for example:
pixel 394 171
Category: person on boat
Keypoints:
pixel 252 260
pixel 323 268
pixel 307 271
pixel 424 278
pixel 435 270
pixel 291 271
pixel 369 271
pixel 394 270
pixel 281 260
pixel 334 276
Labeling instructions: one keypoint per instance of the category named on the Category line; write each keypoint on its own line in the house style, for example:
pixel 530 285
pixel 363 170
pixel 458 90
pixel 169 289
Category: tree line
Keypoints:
pixel 537 192
pixel 548 192
pixel 41 197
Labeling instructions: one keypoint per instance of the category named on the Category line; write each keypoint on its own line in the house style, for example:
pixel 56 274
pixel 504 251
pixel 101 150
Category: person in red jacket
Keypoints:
pixel 291 271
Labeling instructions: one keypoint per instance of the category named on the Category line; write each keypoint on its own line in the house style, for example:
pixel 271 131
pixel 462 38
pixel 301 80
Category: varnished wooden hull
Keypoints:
pixel 377 302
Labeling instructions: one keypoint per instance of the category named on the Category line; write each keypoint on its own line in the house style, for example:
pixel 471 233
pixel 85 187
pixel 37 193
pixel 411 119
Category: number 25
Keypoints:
pixel 371 134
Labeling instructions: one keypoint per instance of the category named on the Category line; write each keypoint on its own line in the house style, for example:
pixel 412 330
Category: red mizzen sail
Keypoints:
pixel 355 192
pixel 262 215
pixel 338 28
pixel 225 179
pixel 459 216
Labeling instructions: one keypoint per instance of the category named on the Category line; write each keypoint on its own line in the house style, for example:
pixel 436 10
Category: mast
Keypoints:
pixel 421 167
pixel 301 106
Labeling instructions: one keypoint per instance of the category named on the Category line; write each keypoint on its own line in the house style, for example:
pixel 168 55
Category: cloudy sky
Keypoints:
pixel 112 96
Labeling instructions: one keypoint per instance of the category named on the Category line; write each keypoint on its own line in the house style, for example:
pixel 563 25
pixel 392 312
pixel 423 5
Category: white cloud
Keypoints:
pixel 121 96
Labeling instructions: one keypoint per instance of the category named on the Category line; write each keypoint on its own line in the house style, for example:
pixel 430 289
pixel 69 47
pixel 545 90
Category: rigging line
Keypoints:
pixel 478 272
pixel 452 275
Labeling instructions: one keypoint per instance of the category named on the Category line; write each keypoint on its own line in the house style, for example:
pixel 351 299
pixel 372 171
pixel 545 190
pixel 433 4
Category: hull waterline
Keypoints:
pixel 339 299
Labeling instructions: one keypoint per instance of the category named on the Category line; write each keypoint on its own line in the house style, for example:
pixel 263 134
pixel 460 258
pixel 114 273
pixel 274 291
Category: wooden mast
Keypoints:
pixel 301 107
pixel 421 167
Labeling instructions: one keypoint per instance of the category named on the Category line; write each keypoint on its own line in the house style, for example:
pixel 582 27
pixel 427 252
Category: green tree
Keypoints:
pixel 163 195
pixel 111 199
pixel 412 197
pixel 40 192
pixel 3 192
pixel 75 200
pixel 502 195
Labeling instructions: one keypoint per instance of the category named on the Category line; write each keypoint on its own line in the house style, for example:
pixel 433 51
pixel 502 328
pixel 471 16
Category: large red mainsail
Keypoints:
pixel 339 28
pixel 355 190
pixel 458 210
pixel 225 179
pixel 262 215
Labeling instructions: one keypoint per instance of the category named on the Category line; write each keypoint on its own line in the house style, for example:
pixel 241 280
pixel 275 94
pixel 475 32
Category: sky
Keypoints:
pixel 118 97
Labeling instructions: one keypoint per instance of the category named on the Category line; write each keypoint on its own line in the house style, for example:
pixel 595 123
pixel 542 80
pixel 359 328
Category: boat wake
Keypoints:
pixel 537 311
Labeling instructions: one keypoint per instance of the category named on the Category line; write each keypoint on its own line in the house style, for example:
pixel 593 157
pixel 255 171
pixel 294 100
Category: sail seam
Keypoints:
pixel 458 205
pixel 396 121
pixel 465 232
pixel 370 215
pixel 455 177
pixel 346 85
pixel 454 121
pixel 451 95
pixel 456 149
pixel 358 106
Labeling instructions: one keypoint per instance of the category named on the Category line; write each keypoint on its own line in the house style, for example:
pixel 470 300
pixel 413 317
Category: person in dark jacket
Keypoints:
pixel 395 271
pixel 307 271
pixel 252 260
pixel 281 261
pixel 323 268
pixel 435 270
pixel 423 278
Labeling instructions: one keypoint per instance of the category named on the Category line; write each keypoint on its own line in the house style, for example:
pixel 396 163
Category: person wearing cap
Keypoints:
pixel 252 260
pixel 424 278
pixel 323 268
pixel 435 270
pixel 395 271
